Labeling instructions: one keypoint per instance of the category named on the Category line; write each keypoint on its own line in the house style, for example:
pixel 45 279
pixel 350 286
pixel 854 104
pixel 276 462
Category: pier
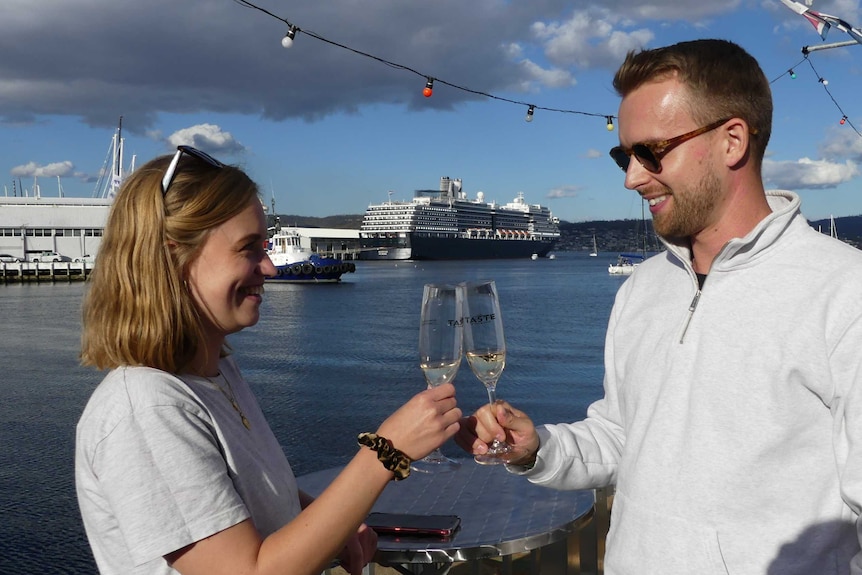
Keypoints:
pixel 19 272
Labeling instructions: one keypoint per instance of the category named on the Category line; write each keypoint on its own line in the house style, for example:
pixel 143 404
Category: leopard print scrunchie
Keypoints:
pixel 392 459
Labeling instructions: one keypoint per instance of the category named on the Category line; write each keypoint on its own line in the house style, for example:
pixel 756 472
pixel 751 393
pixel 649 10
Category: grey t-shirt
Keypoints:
pixel 163 461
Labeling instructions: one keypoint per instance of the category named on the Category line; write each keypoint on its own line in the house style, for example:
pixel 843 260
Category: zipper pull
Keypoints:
pixel 691 309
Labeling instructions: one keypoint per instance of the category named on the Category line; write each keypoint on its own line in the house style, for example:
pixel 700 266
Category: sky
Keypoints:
pixel 339 120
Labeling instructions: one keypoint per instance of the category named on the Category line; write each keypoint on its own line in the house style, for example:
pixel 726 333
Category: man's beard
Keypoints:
pixel 691 210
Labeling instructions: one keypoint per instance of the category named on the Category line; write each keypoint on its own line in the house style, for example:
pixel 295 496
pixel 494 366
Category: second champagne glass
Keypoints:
pixel 439 353
pixel 485 347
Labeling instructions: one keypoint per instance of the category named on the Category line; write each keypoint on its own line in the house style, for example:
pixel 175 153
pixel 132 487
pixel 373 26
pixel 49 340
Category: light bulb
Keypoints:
pixel 792 73
pixel 824 81
pixel 429 88
pixel 287 41
pixel 610 125
pixel 530 111
pixel 843 120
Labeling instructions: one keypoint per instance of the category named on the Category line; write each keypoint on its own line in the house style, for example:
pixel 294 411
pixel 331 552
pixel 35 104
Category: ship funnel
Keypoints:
pixel 450 188
pixel 444 185
pixel 455 188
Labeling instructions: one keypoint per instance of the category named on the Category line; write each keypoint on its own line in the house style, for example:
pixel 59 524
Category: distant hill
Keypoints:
pixel 343 222
pixel 611 235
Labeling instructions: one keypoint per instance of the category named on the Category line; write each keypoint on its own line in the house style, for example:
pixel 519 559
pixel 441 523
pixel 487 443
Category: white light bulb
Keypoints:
pixel 287 41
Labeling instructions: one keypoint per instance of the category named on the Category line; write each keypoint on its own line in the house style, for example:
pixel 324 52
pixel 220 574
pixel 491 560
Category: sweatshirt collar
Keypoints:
pixel 740 251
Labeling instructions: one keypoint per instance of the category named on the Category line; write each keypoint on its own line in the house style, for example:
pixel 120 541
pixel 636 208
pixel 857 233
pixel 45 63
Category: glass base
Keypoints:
pixel 434 462
pixel 500 453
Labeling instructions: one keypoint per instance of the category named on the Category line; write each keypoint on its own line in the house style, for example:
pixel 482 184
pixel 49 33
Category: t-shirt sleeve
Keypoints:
pixel 164 475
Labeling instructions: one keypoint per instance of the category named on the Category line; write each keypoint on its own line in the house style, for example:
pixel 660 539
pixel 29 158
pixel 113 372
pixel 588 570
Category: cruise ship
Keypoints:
pixel 445 225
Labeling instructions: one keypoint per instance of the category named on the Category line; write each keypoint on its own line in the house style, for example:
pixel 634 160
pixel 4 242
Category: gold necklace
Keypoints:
pixel 230 397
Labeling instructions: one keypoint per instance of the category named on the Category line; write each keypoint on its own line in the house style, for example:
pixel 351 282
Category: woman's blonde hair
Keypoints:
pixel 137 309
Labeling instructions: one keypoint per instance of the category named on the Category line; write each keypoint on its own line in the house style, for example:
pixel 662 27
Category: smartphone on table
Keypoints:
pixel 413 524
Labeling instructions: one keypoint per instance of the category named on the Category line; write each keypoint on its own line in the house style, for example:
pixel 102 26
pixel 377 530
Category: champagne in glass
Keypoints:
pixel 485 347
pixel 439 353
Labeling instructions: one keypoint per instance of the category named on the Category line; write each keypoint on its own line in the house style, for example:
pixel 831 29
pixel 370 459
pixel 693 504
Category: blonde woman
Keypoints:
pixel 176 469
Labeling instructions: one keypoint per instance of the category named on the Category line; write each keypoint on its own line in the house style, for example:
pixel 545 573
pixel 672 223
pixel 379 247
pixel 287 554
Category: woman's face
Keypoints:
pixel 226 279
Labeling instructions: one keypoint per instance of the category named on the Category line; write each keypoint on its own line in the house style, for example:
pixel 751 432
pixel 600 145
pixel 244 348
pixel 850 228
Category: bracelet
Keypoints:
pixel 392 459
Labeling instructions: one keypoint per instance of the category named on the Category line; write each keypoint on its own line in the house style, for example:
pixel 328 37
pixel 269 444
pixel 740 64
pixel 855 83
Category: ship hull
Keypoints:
pixel 436 248
pixel 314 270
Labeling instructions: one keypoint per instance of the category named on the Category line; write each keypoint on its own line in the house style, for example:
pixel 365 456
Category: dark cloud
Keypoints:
pixel 100 60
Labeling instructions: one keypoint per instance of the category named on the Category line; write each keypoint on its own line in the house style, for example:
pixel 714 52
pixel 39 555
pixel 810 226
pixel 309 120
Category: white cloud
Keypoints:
pixel 567 191
pixel 842 143
pixel 33 170
pixel 588 38
pixel 552 77
pixel 808 174
pixel 207 137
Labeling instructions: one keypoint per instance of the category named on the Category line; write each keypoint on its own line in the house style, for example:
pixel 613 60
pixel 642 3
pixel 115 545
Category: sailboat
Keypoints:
pixel 595 251
pixel 626 263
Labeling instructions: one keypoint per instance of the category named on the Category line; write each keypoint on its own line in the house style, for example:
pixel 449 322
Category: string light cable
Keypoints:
pixel 430 80
pixel 844 120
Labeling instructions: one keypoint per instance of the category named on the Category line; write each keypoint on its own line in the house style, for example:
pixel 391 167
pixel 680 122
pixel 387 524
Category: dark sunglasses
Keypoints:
pixel 193 152
pixel 649 155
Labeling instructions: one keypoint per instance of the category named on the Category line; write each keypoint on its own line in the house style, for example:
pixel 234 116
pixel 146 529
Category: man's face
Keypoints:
pixel 686 195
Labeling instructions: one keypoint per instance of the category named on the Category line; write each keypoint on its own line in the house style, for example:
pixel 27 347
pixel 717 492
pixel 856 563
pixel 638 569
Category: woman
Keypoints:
pixel 176 468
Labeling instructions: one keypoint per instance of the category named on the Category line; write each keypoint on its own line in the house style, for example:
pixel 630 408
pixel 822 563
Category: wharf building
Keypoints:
pixel 73 227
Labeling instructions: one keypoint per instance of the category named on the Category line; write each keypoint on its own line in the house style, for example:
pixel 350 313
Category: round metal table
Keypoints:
pixel 501 514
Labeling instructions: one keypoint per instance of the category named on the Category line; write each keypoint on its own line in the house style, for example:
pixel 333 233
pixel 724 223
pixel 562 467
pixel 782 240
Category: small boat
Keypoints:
pixel 298 264
pixel 625 264
pixel 595 251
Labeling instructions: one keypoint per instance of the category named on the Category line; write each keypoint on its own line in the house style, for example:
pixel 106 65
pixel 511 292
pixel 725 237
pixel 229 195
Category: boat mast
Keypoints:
pixel 117 167
pixel 643 221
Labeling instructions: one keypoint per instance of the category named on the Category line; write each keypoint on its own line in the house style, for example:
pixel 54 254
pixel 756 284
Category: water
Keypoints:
pixel 326 362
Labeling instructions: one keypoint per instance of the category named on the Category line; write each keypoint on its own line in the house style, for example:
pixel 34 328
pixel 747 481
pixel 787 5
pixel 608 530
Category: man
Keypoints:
pixel 731 423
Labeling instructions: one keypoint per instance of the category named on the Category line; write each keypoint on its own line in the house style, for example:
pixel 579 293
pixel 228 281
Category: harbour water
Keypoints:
pixel 326 362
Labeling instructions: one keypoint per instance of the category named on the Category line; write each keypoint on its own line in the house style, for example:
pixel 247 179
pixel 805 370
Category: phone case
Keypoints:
pixel 410 524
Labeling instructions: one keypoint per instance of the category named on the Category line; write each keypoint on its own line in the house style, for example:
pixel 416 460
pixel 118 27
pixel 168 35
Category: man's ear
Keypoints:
pixel 737 135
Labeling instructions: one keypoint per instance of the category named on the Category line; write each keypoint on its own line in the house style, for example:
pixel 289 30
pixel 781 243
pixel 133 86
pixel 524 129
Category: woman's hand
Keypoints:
pixel 358 550
pixel 424 423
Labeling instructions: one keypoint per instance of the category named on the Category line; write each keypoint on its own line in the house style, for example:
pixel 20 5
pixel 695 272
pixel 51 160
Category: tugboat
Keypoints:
pixel 298 264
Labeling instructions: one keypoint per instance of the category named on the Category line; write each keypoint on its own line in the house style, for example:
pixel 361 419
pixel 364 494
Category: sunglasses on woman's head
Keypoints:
pixel 172 169
pixel 649 155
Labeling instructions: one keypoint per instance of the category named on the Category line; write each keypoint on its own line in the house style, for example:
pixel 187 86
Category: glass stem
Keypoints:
pixel 492 394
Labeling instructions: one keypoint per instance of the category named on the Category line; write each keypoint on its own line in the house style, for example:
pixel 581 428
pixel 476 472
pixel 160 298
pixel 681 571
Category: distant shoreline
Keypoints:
pixel 611 235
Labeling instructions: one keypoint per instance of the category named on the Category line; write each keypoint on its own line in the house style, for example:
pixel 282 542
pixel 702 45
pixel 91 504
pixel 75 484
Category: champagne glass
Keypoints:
pixel 485 346
pixel 439 353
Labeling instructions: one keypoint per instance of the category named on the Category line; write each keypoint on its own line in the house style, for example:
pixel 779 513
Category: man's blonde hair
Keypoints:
pixel 723 81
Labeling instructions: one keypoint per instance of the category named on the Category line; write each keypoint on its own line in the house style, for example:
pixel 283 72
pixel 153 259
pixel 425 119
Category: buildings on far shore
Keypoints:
pixel 69 226
pixel 74 226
